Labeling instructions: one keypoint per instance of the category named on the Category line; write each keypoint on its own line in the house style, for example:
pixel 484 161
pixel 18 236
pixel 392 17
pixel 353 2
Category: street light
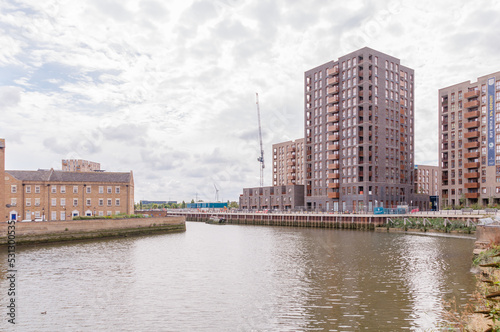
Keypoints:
pixel 43 214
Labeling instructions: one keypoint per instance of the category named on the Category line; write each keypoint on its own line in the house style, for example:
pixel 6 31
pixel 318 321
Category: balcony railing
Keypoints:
pixel 471 94
pixel 471 104
pixel 471 124
pixel 333 195
pixel 471 175
pixel 470 155
pixel 472 134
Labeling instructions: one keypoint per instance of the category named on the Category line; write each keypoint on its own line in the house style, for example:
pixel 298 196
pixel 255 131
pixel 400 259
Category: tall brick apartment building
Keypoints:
pixel 288 163
pixel 359 133
pixel 60 195
pixel 469 141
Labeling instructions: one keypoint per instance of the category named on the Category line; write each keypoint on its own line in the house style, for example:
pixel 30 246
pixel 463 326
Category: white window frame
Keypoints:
pixel 63 202
pixel 13 189
pixel 75 201
pixel 63 189
pixel 75 189
pixel 53 189
pixel 117 202
pixel 109 190
pixel 101 189
pixel 89 202
pixel 54 202
pixel 28 201
pixel 28 189
pixel 89 189
pixel 37 189
pixel 117 189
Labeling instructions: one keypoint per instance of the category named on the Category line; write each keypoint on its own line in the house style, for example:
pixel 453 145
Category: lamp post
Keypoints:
pixel 94 211
pixel 43 214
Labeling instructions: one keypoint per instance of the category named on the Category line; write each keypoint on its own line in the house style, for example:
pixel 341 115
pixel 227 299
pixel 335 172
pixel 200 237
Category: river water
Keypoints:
pixel 241 278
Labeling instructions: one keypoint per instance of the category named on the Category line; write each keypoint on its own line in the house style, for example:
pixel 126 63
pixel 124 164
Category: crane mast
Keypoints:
pixel 261 158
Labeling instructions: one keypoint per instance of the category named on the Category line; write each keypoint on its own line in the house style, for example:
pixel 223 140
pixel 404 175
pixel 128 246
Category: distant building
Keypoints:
pixel 288 162
pixel 206 205
pixel 427 180
pixel 285 197
pixel 79 165
pixel 60 195
pixel 469 141
pixel 144 202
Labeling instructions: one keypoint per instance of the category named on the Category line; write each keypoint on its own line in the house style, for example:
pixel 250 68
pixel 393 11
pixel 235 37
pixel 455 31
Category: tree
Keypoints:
pixel 154 206
pixel 192 201
pixel 183 205
pixel 233 205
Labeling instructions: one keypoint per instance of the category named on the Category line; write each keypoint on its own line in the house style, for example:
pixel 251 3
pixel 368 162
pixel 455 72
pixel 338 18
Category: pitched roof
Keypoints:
pixel 63 176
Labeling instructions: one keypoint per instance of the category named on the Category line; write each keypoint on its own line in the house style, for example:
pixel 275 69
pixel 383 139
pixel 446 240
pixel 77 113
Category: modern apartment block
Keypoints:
pixel 79 165
pixel 359 133
pixel 276 197
pixel 469 134
pixel 288 163
pixel 427 180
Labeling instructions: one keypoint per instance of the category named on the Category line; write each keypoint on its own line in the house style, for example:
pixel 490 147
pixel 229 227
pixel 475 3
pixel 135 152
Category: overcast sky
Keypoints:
pixel 167 88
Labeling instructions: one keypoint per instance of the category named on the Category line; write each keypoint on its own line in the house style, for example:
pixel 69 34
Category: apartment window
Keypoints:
pixel 109 202
pixel 13 201
pixel 108 213
pixel 63 201
pixel 37 189
pixel 109 190
pixel 53 189
pixel 89 189
pixel 75 189
pixel 101 202
pixel 117 202
pixel 117 190
pixel 13 189
pixel 28 189
pixel 37 201
pixel 53 215
pixel 63 189
pixel 75 201
pixel 88 201
pixel 63 215
pixel 101 213
pixel 28 201
pixel 101 190
pixel 53 201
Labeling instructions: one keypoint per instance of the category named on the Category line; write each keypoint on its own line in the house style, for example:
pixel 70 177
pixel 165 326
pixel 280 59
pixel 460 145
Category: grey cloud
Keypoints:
pixel 9 96
pixel 76 146
pixel 231 29
pixel 114 9
pixel 162 159
pixel 126 132
pixel 154 9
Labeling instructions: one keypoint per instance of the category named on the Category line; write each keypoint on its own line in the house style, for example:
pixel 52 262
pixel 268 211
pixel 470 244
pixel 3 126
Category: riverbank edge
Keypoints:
pixel 417 230
pixel 76 230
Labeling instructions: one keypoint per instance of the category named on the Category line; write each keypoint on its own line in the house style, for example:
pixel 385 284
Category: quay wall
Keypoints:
pixel 326 220
pixel 55 231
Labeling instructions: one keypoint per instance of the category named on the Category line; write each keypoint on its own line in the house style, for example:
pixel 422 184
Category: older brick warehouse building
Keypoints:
pixel 60 195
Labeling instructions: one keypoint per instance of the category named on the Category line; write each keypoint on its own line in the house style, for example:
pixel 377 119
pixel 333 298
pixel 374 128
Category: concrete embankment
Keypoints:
pixel 56 231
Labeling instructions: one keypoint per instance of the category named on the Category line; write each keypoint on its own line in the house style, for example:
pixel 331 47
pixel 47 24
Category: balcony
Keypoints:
pixel 332 90
pixel 291 162
pixel 332 80
pixel 471 114
pixel 471 165
pixel 332 156
pixel 332 100
pixel 471 145
pixel 334 127
pixel 471 124
pixel 291 176
pixel 471 104
pixel 333 71
pixel 333 195
pixel 334 176
pixel 471 185
pixel 332 109
pixel 333 147
pixel 471 94
pixel 333 166
pixel 470 155
pixel 472 134
pixel 333 185
pixel 290 149
pixel 333 118
pixel 472 195
pixel 333 137
pixel 471 175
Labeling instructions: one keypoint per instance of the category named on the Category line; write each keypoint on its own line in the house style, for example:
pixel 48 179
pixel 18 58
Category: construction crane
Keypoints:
pixel 261 158
pixel 216 193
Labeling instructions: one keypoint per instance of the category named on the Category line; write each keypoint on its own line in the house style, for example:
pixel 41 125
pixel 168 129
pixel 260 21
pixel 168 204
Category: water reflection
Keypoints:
pixel 242 278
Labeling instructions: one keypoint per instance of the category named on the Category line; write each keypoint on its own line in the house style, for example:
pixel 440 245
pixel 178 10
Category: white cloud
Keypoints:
pixel 169 91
